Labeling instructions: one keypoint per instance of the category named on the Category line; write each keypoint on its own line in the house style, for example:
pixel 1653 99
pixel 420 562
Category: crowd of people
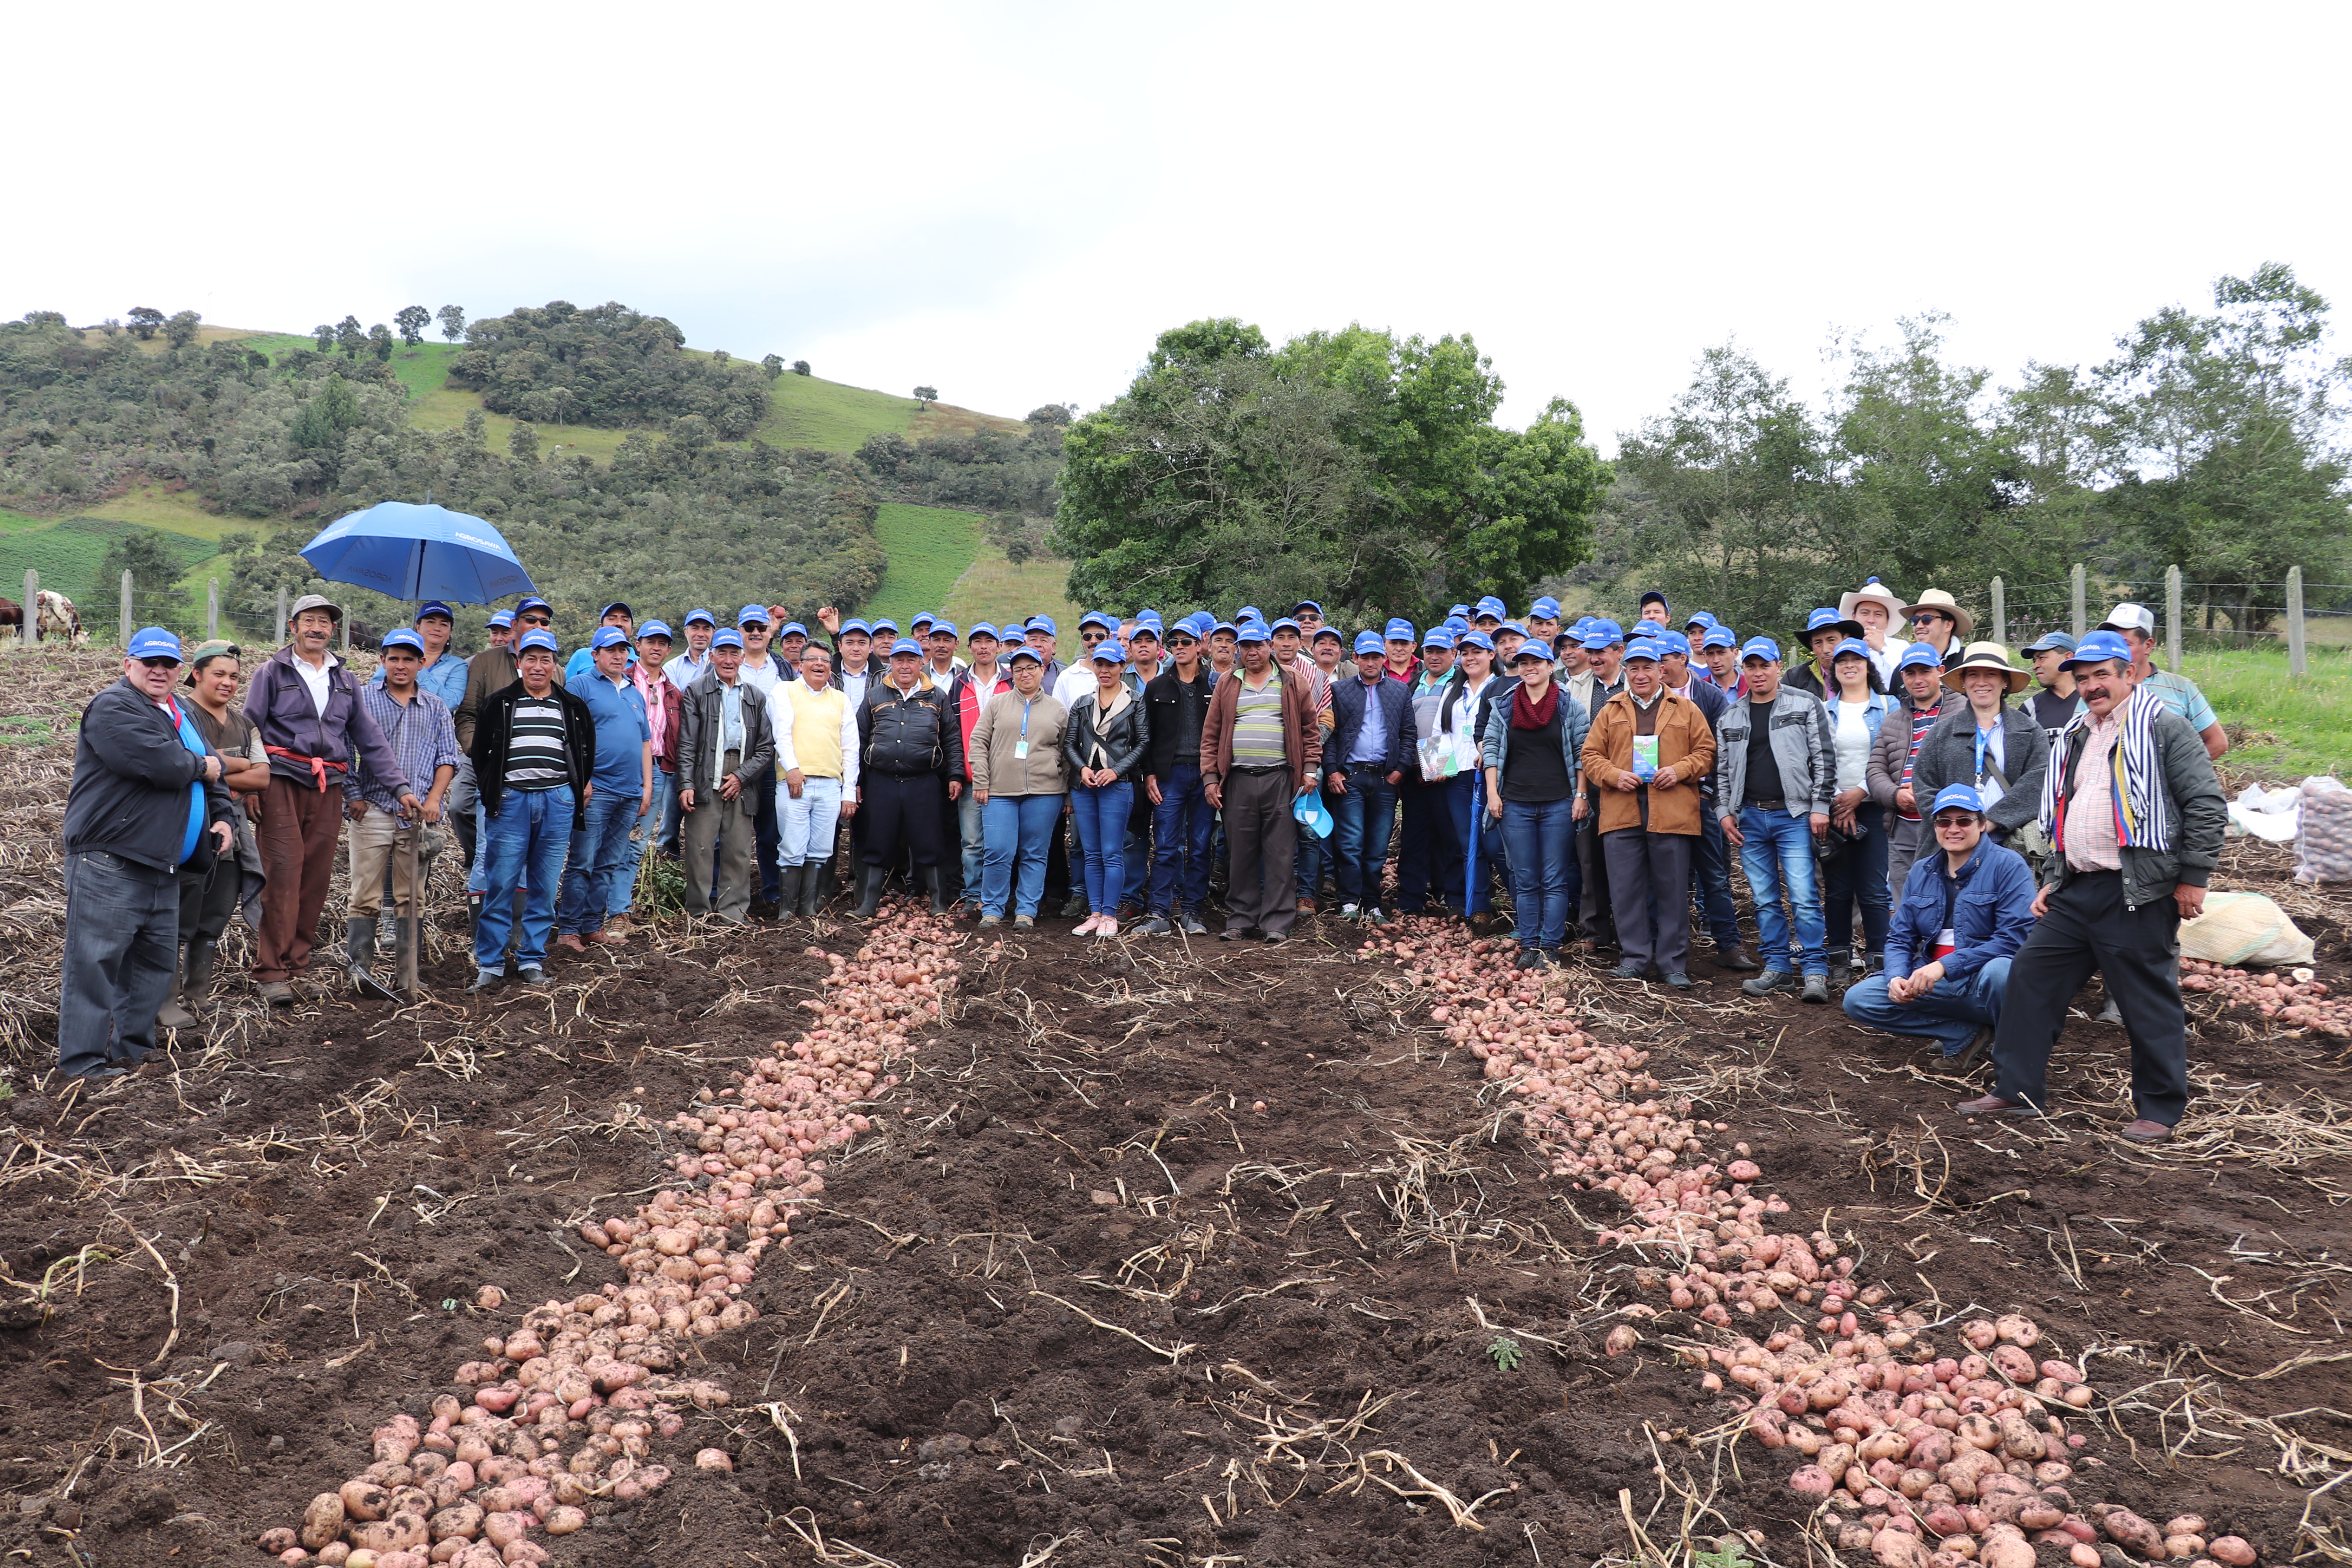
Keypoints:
pixel 1955 861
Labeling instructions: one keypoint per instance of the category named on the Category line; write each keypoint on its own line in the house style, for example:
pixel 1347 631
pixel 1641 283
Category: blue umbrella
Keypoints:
pixel 408 552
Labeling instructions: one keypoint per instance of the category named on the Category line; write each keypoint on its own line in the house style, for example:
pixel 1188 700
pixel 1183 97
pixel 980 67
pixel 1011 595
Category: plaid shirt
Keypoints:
pixel 422 738
pixel 2092 844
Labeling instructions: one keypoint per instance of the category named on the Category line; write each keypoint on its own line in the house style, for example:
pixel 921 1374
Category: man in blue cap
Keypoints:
pixel 1308 614
pixel 726 745
pixel 1961 917
pixel 621 796
pixel 685 668
pixel 1429 857
pixel 417 727
pixel 534 759
pixel 147 807
pixel 1824 629
pixel 2056 704
pixel 1895 755
pixel 1543 620
pixel 583 657
pixel 1719 652
pixel 1176 702
pixel 1587 877
pixel 1401 639
pixel 1261 748
pixel 1711 898
pixel 662 698
pixel 763 671
pixel 1040 632
pixel 910 750
pixel 1775 777
pixel 2135 815
pixel 1488 613
pixel 1371 723
pixel 442 677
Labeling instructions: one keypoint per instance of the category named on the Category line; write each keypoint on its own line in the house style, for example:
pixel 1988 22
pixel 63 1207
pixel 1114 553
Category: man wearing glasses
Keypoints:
pixel 147 807
pixel 1938 621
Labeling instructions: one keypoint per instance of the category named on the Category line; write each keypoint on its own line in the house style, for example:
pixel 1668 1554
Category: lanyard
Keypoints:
pixel 1981 755
pixel 1024 716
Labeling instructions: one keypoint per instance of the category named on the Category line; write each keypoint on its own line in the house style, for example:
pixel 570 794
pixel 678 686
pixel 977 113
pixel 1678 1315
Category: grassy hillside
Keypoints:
pixel 66 553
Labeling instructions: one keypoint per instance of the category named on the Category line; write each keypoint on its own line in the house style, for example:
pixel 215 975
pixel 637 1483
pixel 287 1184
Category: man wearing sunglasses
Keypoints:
pixel 147 807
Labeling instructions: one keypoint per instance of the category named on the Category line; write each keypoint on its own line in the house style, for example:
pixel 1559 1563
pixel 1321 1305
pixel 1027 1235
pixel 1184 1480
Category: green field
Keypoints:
pixel 930 547
pixel 2278 726
pixel 67 554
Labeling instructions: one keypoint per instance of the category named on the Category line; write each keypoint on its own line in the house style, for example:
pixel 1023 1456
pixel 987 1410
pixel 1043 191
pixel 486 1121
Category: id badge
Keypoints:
pixel 1020 750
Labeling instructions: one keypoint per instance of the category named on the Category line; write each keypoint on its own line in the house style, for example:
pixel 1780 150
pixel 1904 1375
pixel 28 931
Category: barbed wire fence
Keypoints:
pixel 2190 614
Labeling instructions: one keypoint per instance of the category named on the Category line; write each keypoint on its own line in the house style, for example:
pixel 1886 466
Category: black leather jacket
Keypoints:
pixel 1125 740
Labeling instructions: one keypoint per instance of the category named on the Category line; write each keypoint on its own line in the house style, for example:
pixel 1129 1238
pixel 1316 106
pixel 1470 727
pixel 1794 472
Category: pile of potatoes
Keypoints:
pixel 567 1405
pixel 1931 1460
pixel 2298 997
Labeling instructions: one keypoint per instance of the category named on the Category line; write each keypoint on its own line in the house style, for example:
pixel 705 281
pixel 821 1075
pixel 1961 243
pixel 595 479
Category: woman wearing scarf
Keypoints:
pixel 1104 748
pixel 206 902
pixel 1532 749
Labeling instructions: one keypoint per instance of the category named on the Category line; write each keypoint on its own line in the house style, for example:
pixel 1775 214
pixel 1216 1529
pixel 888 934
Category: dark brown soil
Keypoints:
pixel 1062 1302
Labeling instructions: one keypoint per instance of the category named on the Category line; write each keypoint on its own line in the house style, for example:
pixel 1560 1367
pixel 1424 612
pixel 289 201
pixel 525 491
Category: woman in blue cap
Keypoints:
pixel 1103 748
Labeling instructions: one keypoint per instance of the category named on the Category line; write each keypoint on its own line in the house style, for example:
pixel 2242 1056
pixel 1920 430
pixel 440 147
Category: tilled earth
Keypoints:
pixel 1162 1254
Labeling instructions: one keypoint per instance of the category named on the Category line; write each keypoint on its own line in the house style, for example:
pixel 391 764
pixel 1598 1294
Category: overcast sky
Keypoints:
pixel 1010 202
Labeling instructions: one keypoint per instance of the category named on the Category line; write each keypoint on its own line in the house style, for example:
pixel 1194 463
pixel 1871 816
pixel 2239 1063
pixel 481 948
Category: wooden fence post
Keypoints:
pixel 277 635
pixel 211 609
pixel 1999 614
pixel 2079 619
pixel 31 630
pixel 126 607
pixel 2294 661
pixel 2172 618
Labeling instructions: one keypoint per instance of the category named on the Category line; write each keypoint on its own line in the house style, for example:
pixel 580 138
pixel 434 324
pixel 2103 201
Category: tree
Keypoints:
pixel 380 336
pixel 412 321
pixel 799 367
pixel 773 364
pixel 1054 414
pixel 154 567
pixel 925 395
pixel 522 442
pixel 181 330
pixel 324 336
pixel 145 321
pixel 453 321
pixel 350 337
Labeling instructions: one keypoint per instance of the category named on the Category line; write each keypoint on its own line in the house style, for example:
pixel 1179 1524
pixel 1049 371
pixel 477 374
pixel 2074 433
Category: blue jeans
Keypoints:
pixel 1858 876
pixel 970 833
pixel 1466 798
pixel 595 855
pixel 121 955
pixel 1542 854
pixel 642 833
pixel 1779 859
pixel 525 843
pixel 1016 829
pixel 1181 826
pixel 1950 1012
pixel 1429 851
pixel 1711 878
pixel 1360 835
pixel 1136 854
pixel 1101 811
pixel 807 825
pixel 673 815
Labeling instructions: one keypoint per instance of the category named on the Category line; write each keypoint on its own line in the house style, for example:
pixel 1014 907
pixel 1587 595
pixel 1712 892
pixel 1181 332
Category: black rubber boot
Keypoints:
pixel 817 886
pixel 937 878
pixel 788 890
pixel 359 944
pixel 175 1012
pixel 869 890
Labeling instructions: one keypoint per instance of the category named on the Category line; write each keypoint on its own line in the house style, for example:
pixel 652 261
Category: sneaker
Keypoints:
pixel 535 978
pixel 987 921
pixel 1086 927
pixel 1373 917
pixel 1107 925
pixel 1306 905
pixel 1348 911
pixel 487 980
pixel 1817 990
pixel 1679 980
pixel 1192 925
pixel 1771 979
pixel 1157 925
pixel 1025 922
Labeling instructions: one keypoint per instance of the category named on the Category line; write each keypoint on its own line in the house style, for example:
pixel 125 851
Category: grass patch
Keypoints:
pixel 67 553
pixel 929 547
pixel 2279 725
pixel 995 590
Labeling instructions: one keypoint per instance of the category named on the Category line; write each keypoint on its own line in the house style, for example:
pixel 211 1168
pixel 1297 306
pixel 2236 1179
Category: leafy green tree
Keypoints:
pixel 522 442
pixel 925 395
pixel 181 330
pixel 412 321
pixel 324 336
pixel 773 365
pixel 799 367
pixel 154 567
pixel 145 319
pixel 453 321
pixel 350 337
pixel 379 339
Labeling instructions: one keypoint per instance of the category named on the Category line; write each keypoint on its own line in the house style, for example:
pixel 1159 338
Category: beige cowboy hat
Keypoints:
pixel 1987 655
pixel 1871 592
pixel 1937 599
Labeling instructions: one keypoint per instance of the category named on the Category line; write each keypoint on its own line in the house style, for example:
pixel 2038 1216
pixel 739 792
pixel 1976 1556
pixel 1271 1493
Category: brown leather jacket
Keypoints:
pixel 1302 737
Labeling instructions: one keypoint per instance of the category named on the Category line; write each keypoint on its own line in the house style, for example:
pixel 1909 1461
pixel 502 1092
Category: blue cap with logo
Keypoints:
pixel 1490 605
pixel 1025 651
pixel 705 617
pixel 788 629
pixel 1644 647
pixel 1314 604
pixel 752 616
pixel 980 629
pixel 1400 630
pixel 1096 618
pixel 2098 646
pixel 1287 623
pixel 1252 613
pixel 884 626
pixel 1312 813
pixel 1461 610
pixel 1599 634
pixel 1829 620
pixel 502 619
pixel 923 618
pixel 655 628
pixel 435 607
pixel 1700 618
pixel 726 636
pixel 906 644
pixel 1759 647
pixel 1849 645
pixel 1917 656
pixel 1544 609
pixel 534 602
pixel 1108 651
pixel 1039 623
pixel 616 605
pixel 1328 630
pixel 1369 642
pixel 941 625
pixel 1437 636
pixel 1477 639
pixel 857 624
pixel 1718 636
pixel 1956 797
pixel 1250 631
pixel 402 636
pixel 538 636
pixel 609 637
pixel 1228 627
pixel 1670 641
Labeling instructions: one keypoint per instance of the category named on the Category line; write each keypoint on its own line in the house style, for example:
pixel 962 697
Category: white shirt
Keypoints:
pixel 763 677
pixel 315 681
pixel 1884 659
pixel 1851 736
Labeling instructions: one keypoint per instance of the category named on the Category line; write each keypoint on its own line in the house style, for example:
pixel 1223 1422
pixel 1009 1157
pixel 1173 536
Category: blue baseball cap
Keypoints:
pixel 1096 618
pixel 1477 639
pixel 705 617
pixel 1150 628
pixel 1312 813
pixel 1437 636
pixel 883 623
pixel 435 607
pixel 1287 621
pixel 943 625
pixel 1759 647
pixel 609 637
pixel 1108 651
pixel 1956 796
pixel 1371 642
pixel 1024 651
pixel 502 619
pixel 982 629
pixel 1850 646
pixel 1490 605
pixel 906 644
pixel 1512 626
pixel 1917 655
pixel 1718 636
pixel 1671 641
pixel 1400 630
pixel 1461 610
pixel 1601 627
pixel 1531 648
pixel 1545 609
pixel 1596 637
pixel 539 636
pixel 1328 630
pixel 1829 620
pixel 857 624
pixel 752 616
pixel 1700 618
pixel 534 602
pixel 1253 631
pixel 655 629
pixel 616 605
pixel 1646 648
pixel 2094 647
pixel 1314 604
pixel 923 618
pixel 1252 613
pixel 788 629
pixel 1456 622
pixel 154 643
pixel 726 636
pixel 2052 642
pixel 1661 598
pixel 1229 627
pixel 1036 624
pixel 401 637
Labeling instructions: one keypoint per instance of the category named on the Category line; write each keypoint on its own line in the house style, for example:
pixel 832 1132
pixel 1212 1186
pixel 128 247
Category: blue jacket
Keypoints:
pixel 445 677
pixel 1991 916
pixel 1347 719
